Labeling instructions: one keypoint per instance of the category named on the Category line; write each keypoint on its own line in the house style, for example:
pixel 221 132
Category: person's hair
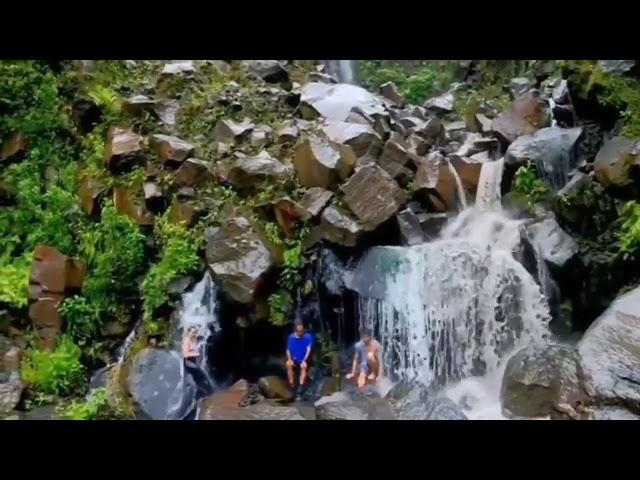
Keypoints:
pixel 365 332
pixel 298 324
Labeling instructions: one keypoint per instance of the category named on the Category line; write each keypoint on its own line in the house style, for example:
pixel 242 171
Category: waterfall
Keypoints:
pixel 123 351
pixel 198 309
pixel 460 190
pixel 454 308
pixel 342 70
pixel 552 105
pixel 488 193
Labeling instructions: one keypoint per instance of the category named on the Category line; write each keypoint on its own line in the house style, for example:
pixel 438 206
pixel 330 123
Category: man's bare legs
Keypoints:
pixel 374 367
pixel 303 373
pixel 291 374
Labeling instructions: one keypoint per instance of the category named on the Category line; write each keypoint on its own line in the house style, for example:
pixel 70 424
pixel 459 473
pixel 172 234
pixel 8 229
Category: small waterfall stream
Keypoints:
pixel 342 70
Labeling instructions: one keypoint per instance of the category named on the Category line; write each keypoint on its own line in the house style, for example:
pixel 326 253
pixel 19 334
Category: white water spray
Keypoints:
pixel 342 70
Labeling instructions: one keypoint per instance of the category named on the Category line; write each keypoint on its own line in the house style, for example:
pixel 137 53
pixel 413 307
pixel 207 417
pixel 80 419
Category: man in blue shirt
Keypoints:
pixel 298 351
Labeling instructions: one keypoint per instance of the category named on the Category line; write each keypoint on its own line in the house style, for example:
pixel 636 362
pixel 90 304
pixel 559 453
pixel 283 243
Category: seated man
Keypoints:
pixel 367 362
pixel 298 351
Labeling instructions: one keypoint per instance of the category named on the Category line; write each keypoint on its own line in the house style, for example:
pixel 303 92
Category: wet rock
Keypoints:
pixel 179 67
pixel 560 93
pixel 10 391
pixel 193 172
pixel 417 403
pixel 617 66
pixel 520 86
pixel 288 132
pixel 441 104
pixel 615 160
pixel 456 131
pixel 124 151
pixel 172 151
pixel 556 246
pixel 320 163
pixel 270 71
pixel 167 111
pixel 612 413
pixel 483 123
pixel 314 200
pixel 228 131
pixel 524 116
pixel 540 381
pixel 361 138
pixel 337 226
pixel 390 91
pixel 238 256
pixel 153 197
pixel 410 228
pixel 126 204
pixel 274 387
pixel 434 176
pixel 13 149
pixel 247 171
pixel 137 104
pixel 373 195
pixel 610 354
pixel 158 386
pixel 339 406
pixel 468 171
pixel 335 102
pixel 182 213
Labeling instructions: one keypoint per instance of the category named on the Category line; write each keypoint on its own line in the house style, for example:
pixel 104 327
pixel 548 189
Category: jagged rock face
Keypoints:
pixel 89 193
pixel 556 246
pixel 246 171
pixel 126 204
pixel 615 160
pixel 270 71
pixel 610 354
pixel 337 226
pixel 390 91
pixel 373 195
pixel 13 149
pixel 320 163
pixel 395 157
pixel 520 86
pixel 361 138
pixel 124 151
pixel 172 151
pixel 238 256
pixel 179 67
pixel 137 104
pixel 314 200
pixel 52 276
pixel 335 102
pixel 228 131
pixel 526 114
pixel 434 176
pixel 193 172
pixel 541 381
pixel 288 132
pixel 442 104
pixel 10 391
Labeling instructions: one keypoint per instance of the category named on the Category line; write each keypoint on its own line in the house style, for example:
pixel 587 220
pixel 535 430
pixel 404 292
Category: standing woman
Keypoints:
pixel 191 347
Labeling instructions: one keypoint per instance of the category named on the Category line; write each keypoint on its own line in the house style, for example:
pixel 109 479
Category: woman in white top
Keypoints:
pixel 191 346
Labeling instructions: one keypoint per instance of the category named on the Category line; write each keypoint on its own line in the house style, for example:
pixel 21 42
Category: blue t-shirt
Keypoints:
pixel 298 346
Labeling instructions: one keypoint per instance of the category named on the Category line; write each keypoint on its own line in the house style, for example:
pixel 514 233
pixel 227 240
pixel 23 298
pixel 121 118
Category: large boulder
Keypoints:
pixel 339 227
pixel 435 176
pixel 524 116
pixel 615 161
pixel 389 91
pixel 361 138
pixel 124 150
pixel 178 67
pixel 340 406
pixel 520 85
pixel 610 354
pixel 469 172
pixel 172 151
pixel 540 381
pixel 415 402
pixel 274 387
pixel 373 195
pixel 247 171
pixel 335 102
pixel 239 256
pixel 321 163
pixel 160 385
pixel 10 391
pixel 552 149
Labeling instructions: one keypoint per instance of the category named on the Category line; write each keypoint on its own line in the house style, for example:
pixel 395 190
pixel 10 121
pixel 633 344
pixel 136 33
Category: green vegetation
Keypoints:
pixel 527 182
pixel 629 235
pixel 57 372
pixel 95 407
pixel 14 280
pixel 179 249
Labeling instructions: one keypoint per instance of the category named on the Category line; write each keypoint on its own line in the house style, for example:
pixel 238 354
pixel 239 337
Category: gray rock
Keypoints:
pixel 612 413
pixel 617 66
pixel 417 403
pixel 539 380
pixel 271 71
pixel 340 406
pixel 410 228
pixel 238 256
pixel 552 149
pixel 167 111
pixel 524 116
pixel 314 200
pixel 520 85
pixel 10 392
pixel 390 92
pixel 614 161
pixel 610 353
pixel 335 102
pixel 246 171
pixel 443 103
pixel 178 67
pixel 337 226
pixel 228 131
pixel 560 93
pixel 321 163
pixel 159 385
pixel 556 246
pixel 361 138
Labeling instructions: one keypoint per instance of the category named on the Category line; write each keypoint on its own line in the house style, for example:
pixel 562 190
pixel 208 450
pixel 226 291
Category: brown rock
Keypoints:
pixel 89 193
pixel 13 149
pixel 373 195
pixel 125 204
pixel 288 213
pixel 288 132
pixel 137 104
pixel 171 150
pixel 314 200
pixel 434 175
pixel 76 270
pixel 615 160
pixel 275 387
pixel 46 319
pixel 394 159
pixel 390 91
pixel 339 227
pixel 320 163
pixel 124 150
pixel 182 213
pixel 11 359
pixel 526 114
pixel 193 172
pixel 362 138
pixel 468 171
pixel 227 131
pixel 49 269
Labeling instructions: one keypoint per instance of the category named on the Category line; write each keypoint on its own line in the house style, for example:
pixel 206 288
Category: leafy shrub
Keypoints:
pixel 81 318
pixel 629 235
pixel 527 182
pixel 95 407
pixel 179 256
pixel 279 305
pixel 14 280
pixel 57 372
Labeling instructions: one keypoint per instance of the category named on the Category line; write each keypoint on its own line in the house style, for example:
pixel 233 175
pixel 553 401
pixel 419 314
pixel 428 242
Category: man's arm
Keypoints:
pixel 289 359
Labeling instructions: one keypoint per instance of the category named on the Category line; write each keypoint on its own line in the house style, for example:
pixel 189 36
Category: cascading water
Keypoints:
pixel 455 308
pixel 460 190
pixel 342 70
